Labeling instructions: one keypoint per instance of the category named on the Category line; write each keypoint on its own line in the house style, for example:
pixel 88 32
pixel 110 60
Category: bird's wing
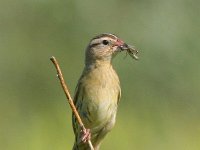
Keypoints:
pixel 77 102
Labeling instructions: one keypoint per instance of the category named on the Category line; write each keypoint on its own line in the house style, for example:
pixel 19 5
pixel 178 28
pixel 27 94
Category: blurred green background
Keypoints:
pixel 160 105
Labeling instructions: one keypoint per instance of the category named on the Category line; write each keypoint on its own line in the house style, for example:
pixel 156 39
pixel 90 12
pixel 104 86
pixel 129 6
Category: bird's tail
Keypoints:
pixel 81 146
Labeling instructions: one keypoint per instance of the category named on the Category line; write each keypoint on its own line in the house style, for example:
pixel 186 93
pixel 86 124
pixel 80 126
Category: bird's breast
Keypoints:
pixel 101 90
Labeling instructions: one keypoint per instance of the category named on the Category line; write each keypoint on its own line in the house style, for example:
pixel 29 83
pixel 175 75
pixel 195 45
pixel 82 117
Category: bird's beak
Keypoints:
pixel 130 49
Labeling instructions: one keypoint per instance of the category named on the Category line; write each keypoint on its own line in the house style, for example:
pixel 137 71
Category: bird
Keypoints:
pixel 98 91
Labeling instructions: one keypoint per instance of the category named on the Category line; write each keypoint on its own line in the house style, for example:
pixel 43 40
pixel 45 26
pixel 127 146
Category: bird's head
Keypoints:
pixel 105 46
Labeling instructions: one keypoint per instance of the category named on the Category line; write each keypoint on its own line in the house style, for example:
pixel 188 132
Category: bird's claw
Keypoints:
pixel 86 135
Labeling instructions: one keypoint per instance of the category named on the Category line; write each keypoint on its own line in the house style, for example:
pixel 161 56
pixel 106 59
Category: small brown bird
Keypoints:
pixel 98 90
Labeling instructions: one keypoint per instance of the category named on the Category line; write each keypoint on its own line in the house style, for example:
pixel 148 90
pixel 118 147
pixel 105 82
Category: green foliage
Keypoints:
pixel 160 104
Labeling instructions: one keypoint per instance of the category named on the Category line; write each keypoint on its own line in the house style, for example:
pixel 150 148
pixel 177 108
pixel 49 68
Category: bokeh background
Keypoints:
pixel 160 105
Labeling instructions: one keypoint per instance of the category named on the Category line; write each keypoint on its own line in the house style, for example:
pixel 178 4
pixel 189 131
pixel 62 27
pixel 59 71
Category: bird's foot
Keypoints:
pixel 86 135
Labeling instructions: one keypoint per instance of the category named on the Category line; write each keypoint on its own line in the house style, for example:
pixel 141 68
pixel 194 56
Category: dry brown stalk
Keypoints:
pixel 69 98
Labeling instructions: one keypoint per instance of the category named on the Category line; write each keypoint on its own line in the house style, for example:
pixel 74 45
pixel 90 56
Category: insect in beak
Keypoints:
pixel 130 49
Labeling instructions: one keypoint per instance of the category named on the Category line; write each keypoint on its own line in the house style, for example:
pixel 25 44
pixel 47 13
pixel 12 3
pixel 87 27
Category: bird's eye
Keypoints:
pixel 105 42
